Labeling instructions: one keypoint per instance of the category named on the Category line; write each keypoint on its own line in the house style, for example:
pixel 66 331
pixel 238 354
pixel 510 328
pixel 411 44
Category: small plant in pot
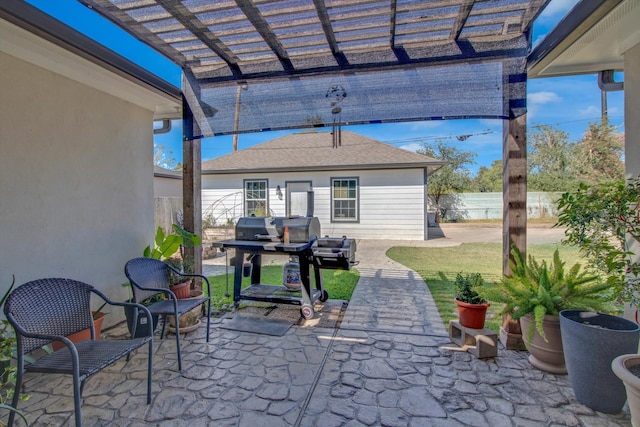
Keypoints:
pixel 603 222
pixel 472 307
pixel 536 292
pixel 179 285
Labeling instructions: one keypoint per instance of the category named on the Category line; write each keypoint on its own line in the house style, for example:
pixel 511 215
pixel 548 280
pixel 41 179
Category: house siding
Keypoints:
pixel 390 201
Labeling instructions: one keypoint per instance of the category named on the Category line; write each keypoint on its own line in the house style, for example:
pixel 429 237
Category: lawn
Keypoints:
pixel 439 266
pixel 338 283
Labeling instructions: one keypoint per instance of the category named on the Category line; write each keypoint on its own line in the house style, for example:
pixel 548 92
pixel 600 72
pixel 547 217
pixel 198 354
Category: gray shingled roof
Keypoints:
pixel 166 173
pixel 313 151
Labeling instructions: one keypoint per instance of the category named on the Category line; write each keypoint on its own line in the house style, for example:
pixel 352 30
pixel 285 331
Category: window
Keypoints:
pixel 344 199
pixel 255 197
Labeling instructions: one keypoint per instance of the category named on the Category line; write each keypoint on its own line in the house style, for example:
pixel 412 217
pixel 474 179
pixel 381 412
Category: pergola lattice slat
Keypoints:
pixel 288 54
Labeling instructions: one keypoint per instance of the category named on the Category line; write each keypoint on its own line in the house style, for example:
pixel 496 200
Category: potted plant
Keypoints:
pixel 535 293
pixel 472 308
pixel 179 285
pixel 602 220
pixel 627 368
pixel 142 324
pixel 9 370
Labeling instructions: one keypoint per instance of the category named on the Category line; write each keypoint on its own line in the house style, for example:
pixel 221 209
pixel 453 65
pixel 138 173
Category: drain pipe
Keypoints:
pixel 166 127
pixel 607 83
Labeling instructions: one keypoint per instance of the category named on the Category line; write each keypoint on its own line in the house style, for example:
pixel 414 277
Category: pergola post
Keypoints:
pixel 514 188
pixel 191 184
pixel 514 210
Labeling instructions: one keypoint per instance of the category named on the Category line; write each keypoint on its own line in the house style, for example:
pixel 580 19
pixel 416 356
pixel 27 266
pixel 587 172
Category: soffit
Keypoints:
pixel 37 38
pixel 592 37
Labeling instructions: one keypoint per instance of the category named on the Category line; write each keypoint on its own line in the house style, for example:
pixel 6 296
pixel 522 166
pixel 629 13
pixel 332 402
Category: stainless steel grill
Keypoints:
pixel 256 236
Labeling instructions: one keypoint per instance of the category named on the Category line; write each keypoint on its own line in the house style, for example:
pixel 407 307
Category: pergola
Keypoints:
pixel 254 65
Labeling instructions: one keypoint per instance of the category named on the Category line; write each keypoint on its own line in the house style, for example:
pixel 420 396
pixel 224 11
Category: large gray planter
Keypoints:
pixel 591 341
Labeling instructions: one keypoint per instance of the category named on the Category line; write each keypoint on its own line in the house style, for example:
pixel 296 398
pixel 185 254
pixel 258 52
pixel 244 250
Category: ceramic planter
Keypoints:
pixel 622 366
pixel 546 355
pixel 472 315
pixel 191 319
pixel 591 341
pixel 142 328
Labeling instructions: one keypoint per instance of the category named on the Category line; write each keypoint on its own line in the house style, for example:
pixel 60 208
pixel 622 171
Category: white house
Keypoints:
pixel 362 188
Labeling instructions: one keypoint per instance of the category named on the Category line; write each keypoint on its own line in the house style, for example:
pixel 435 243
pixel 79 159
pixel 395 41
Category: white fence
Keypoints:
pixel 456 207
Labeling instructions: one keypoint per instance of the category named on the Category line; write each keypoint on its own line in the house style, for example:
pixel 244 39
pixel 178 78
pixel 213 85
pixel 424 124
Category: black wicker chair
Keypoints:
pixel 150 277
pixel 46 310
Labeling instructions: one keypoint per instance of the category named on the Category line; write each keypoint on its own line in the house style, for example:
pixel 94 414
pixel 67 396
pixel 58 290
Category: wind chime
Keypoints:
pixel 335 95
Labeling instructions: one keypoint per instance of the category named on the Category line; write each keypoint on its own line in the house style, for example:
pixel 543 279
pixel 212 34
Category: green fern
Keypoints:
pixel 540 289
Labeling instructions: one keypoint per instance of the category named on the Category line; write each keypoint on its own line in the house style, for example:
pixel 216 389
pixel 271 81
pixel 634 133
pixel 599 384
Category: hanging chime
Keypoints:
pixel 336 94
pixel 336 129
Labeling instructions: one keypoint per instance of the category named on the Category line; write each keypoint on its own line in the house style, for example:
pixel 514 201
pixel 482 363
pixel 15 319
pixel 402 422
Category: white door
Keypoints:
pixel 298 198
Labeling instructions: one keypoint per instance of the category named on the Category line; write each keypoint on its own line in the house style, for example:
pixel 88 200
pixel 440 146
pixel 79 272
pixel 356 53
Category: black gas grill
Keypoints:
pixel 293 236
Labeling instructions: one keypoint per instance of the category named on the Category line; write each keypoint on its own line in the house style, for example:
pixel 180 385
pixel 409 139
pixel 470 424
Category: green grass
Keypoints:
pixel 338 283
pixel 439 266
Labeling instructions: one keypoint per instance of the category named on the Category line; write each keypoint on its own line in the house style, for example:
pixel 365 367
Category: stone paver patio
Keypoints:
pixel 390 363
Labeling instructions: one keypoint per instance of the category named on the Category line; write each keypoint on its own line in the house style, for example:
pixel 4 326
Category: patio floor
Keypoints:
pixel 389 363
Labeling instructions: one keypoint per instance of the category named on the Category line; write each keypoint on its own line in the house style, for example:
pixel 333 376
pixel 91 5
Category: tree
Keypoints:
pixel 599 154
pixel 451 178
pixel 164 159
pixel 550 160
pixel 489 179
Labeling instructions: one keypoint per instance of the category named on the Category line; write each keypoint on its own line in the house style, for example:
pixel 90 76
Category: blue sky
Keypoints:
pixel 569 103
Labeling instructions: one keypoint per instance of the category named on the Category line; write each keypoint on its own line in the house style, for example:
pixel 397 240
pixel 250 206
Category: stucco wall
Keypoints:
pixel 76 180
pixel 391 201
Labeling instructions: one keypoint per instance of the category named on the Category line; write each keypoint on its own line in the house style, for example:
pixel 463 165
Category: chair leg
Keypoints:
pixel 164 324
pixel 177 326
pixel 77 399
pixel 208 318
pixel 149 372
pixel 16 397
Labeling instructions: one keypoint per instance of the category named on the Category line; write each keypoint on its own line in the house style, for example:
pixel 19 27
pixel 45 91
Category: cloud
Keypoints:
pixel 411 147
pixel 557 9
pixel 544 97
pixel 591 111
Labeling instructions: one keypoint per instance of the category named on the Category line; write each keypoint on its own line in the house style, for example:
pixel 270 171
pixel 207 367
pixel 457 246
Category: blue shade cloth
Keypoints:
pixel 255 65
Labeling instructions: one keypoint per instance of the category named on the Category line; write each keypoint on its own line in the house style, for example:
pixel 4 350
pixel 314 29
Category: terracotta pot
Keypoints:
pixel 545 355
pixel 622 366
pixel 472 315
pixel 182 290
pixel 84 334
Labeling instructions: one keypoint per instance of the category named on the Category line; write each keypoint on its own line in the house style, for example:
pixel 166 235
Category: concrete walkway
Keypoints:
pixel 390 363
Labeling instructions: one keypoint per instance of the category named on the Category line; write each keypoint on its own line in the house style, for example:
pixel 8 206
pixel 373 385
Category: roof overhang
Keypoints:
pixel 591 38
pixel 429 166
pixel 35 37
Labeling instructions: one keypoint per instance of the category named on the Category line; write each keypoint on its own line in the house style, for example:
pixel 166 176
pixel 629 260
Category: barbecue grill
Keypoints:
pixel 256 236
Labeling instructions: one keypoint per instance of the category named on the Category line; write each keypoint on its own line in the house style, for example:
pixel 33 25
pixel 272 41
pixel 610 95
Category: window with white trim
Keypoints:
pixel 255 197
pixel 344 199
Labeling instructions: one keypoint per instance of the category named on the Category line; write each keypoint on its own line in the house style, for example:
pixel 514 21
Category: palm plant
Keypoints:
pixel 546 289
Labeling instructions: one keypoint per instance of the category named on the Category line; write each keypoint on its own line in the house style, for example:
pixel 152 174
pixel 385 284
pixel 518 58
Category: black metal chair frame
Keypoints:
pixel 46 310
pixel 149 277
